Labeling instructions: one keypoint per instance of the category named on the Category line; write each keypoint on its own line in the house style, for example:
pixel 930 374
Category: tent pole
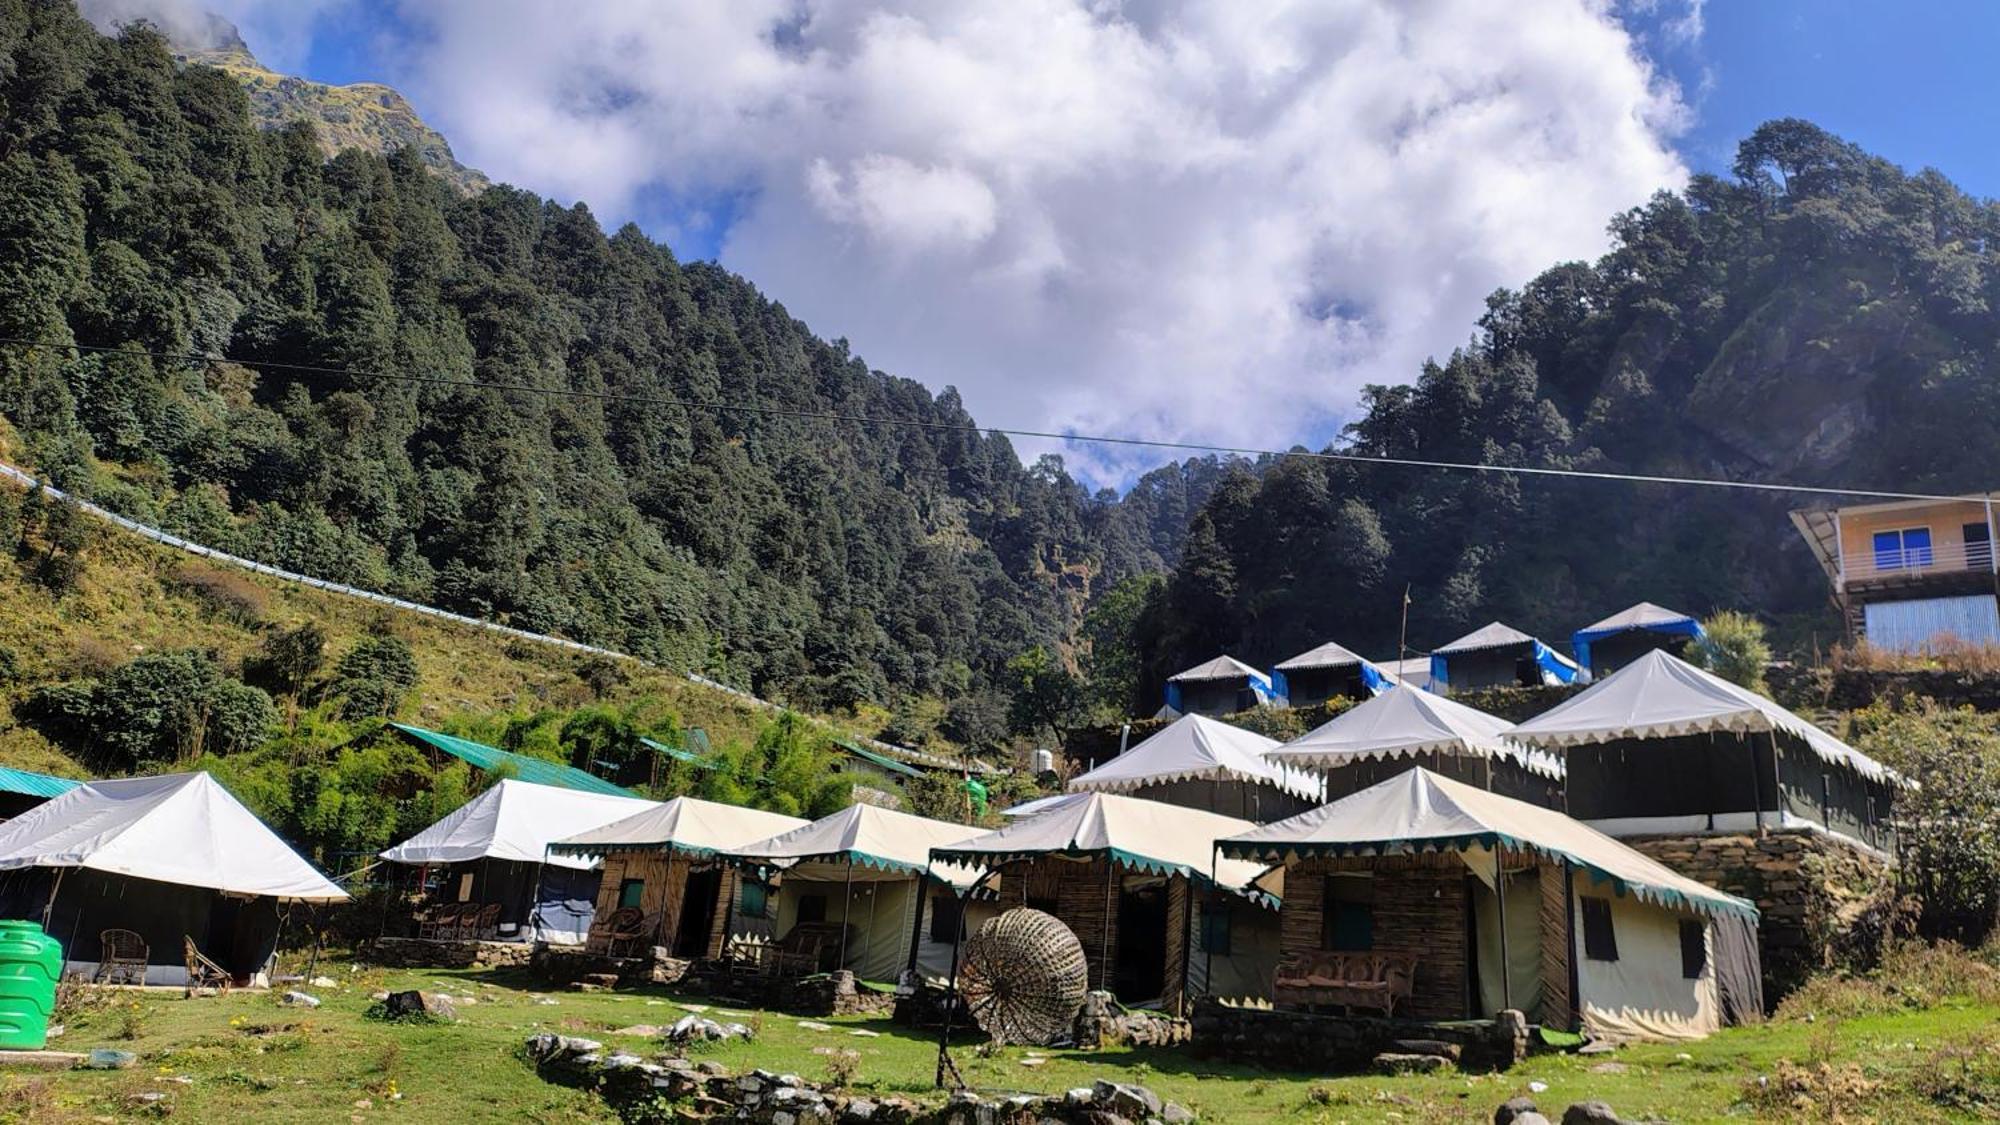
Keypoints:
pixel 846 910
pixel 1104 941
pixel 951 996
pixel 1208 953
pixel 1187 939
pixel 917 927
pixel 1500 896
pixel 868 939
pixel 49 911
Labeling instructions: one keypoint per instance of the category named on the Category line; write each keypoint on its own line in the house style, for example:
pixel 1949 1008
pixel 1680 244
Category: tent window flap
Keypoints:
pixel 1694 949
pixel 1600 943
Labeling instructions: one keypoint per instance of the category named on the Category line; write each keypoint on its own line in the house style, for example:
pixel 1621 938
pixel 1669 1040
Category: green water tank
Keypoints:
pixel 30 965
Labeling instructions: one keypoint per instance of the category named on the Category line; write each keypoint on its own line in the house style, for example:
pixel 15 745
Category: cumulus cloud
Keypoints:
pixel 282 30
pixel 1198 219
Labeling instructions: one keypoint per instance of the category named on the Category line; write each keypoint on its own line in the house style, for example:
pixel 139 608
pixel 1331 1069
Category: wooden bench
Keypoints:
pixel 1375 981
pixel 806 950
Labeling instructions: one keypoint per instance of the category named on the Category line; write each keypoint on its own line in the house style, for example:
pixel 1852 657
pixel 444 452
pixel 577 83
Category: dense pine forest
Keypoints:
pixel 142 210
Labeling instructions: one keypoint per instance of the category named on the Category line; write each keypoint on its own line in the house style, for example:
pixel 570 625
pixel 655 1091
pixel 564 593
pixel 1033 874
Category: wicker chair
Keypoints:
pixel 123 958
pixel 441 923
pixel 202 972
pixel 604 930
pixel 482 924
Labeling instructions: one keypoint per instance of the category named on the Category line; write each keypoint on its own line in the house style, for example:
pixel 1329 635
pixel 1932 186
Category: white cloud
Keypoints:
pixel 1200 219
pixel 281 30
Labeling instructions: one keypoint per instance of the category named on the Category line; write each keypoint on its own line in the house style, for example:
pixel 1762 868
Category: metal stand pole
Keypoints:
pixel 1500 895
pixel 917 927
pixel 944 1063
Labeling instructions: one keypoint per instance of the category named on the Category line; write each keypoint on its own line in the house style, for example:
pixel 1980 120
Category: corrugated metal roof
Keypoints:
pixel 34 784
pixel 486 757
pixel 883 760
pixel 678 754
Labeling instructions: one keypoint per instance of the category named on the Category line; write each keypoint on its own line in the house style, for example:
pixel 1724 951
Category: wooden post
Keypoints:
pixel 1500 896
pixel 846 911
pixel 1187 938
pixel 917 929
pixel 1569 939
pixel 1104 941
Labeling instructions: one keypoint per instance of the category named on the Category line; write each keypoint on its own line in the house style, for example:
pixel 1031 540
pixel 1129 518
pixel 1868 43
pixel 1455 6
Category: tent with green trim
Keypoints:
pixel 1561 917
pixel 1127 875
pixel 666 863
pixel 867 868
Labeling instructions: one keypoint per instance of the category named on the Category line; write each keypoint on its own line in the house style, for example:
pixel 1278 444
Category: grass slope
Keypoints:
pixel 129 601
pixel 246 1057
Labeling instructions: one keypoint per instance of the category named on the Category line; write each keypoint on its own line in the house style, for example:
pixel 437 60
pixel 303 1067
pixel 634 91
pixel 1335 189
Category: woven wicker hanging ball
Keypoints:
pixel 1023 977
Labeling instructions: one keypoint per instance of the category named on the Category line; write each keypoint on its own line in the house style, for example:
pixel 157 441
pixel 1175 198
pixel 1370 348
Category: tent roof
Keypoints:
pixel 180 828
pixel 516 821
pixel 1405 721
pixel 1039 804
pixel 1194 747
pixel 1416 670
pixel 676 753
pixel 882 839
pixel 1491 635
pixel 1147 835
pixel 883 760
pixel 1660 695
pixel 1328 655
pixel 1645 615
pixel 1221 668
pixel 684 824
pixel 481 756
pixel 1421 811
pixel 34 784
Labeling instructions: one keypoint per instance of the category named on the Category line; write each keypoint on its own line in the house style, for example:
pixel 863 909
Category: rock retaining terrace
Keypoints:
pixel 1323 1044
pixel 1808 886
pixel 424 953
pixel 675 1089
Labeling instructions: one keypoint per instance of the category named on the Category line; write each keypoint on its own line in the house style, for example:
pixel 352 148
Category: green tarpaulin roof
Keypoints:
pixel 883 760
pixel 678 754
pixel 536 770
pixel 34 784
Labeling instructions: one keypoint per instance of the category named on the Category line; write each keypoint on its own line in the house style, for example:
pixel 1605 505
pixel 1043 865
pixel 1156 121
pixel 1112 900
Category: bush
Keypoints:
pixel 1949 825
pixel 225 592
pixel 373 677
pixel 1734 648
pixel 157 708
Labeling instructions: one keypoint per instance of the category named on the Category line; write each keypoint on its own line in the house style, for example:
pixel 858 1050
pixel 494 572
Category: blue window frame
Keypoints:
pixel 1906 549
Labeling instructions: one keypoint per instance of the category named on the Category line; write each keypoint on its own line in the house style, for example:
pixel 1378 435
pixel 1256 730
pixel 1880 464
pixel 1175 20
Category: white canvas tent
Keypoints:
pixel 664 862
pixel 1407 722
pixel 1140 845
pixel 867 867
pixel 168 857
pixel 1735 768
pixel 1642 991
pixel 499 843
pixel 1226 763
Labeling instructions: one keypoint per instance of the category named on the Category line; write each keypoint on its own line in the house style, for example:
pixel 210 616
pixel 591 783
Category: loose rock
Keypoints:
pixel 1591 1113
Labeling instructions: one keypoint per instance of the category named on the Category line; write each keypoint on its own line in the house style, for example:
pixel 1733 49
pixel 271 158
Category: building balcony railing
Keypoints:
pixel 1913 563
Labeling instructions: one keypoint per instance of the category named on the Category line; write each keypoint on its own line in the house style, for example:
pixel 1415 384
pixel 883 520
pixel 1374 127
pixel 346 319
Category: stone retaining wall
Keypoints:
pixel 1809 887
pixel 414 953
pixel 1301 1042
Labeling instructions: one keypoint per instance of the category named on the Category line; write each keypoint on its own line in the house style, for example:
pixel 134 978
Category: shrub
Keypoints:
pixel 1734 648
pixel 157 708
pixel 373 677
pixel 228 593
pixel 1949 826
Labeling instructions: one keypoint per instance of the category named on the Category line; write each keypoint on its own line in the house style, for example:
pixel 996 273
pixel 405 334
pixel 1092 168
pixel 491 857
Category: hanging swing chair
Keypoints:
pixel 1024 977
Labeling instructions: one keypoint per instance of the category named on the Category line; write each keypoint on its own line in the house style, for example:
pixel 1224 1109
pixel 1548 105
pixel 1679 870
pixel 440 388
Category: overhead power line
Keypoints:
pixel 1010 431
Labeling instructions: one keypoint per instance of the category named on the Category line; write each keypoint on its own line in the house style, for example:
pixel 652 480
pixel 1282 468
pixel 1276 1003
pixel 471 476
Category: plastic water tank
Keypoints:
pixel 30 965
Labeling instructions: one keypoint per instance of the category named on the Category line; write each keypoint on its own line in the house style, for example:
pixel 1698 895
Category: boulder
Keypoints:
pixel 1591 1113
pixel 1135 1102
pixel 1512 1109
pixel 1396 1062
pixel 409 1003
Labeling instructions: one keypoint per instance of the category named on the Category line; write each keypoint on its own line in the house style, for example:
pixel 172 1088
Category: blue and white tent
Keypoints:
pixel 1645 618
pixel 1217 687
pixel 1492 655
pixel 1321 663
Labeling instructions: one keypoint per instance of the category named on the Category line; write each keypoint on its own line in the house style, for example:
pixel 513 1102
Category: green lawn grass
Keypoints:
pixel 246 1057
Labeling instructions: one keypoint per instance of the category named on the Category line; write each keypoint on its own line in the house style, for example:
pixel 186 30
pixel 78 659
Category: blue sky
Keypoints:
pixel 1914 83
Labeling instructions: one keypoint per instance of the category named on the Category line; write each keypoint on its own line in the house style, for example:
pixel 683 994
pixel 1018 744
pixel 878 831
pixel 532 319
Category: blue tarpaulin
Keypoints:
pixel 1644 617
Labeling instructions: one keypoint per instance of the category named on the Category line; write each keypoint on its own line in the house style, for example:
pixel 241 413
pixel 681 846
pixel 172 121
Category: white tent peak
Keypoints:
pixel 1491 635
pixel 1220 668
pixel 684 824
pixel 1328 655
pixel 1660 695
pixel 1403 722
pixel 1418 810
pixel 870 834
pixel 1140 834
pixel 515 820
pixel 1639 616
pixel 182 828
pixel 1197 748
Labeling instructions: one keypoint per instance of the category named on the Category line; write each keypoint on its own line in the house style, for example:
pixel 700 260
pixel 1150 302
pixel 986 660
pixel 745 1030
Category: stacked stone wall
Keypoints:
pixel 1809 888
pixel 1301 1042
